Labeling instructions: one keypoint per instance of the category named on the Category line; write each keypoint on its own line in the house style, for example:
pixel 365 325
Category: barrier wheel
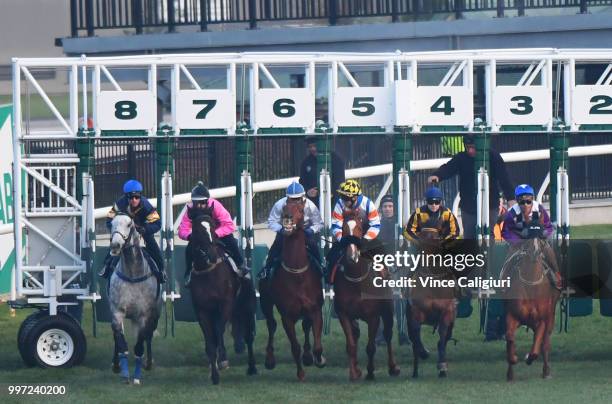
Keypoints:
pixel 53 342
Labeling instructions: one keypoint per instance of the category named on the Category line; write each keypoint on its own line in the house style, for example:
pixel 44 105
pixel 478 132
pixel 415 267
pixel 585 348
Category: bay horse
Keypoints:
pixel 219 295
pixel 356 297
pixel 133 293
pixel 297 292
pixel 431 305
pixel 530 300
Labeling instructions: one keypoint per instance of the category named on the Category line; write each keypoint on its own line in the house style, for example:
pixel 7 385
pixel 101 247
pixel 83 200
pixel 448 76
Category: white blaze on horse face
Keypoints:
pixel 354 252
pixel 351 225
pixel 207 228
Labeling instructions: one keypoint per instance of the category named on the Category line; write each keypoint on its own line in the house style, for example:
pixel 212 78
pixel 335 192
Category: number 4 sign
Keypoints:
pixel 126 110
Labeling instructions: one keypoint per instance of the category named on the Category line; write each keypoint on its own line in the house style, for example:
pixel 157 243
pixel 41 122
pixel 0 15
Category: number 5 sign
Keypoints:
pixel 126 110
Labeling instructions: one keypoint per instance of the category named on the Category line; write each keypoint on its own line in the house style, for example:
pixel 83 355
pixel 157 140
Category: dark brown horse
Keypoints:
pixel 296 291
pixel 531 300
pixel 431 305
pixel 353 284
pixel 218 296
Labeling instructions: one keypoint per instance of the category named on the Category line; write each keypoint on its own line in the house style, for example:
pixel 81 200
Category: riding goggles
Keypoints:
pixel 133 195
pixel 525 201
pixel 434 201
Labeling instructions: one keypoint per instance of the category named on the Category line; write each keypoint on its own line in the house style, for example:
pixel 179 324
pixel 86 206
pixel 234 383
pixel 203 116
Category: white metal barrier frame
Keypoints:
pixel 400 101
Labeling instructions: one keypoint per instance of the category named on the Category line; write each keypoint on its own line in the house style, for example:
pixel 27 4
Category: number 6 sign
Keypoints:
pixel 126 110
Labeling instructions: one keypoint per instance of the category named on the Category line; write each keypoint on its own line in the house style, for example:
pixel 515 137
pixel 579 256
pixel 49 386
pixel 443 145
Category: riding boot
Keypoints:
pixel 230 245
pixel 272 258
pixel 188 266
pixel 154 251
pixel 554 275
pixel 110 262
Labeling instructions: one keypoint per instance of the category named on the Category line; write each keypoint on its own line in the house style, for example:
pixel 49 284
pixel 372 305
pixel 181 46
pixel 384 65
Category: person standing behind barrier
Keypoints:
pixel 463 165
pixel 147 223
pixel 309 171
pixel 388 222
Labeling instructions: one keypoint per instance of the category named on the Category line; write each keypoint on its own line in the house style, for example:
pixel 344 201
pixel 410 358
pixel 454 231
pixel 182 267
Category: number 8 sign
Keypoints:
pixel 126 110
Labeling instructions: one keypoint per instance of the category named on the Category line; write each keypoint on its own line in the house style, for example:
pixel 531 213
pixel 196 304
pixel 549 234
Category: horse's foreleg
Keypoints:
pixel 121 347
pixel 414 333
pixel 207 324
pixel 143 335
pixel 248 329
pixel 317 328
pixel 351 346
pixel 307 358
pixel 289 325
pixel 511 326
pixel 373 324
pixel 387 318
pixel 268 310
pixel 538 338
pixel 444 327
pixel 219 331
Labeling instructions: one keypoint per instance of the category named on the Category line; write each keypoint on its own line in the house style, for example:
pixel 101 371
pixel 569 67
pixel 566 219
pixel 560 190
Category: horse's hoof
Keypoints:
pixel 547 377
pixel 370 376
pixel 394 371
pixel 252 371
pixel 415 375
pixel 125 380
pixel 307 359
pixel 320 363
pixel 513 360
pixel 424 354
pixel 214 378
pixel 442 374
pixel 270 363
pixel 136 382
pixel 116 368
pixel 530 358
pixel 224 365
pixel 301 375
pixel 149 364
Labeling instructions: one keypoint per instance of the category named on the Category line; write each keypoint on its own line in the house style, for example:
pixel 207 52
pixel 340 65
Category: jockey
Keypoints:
pixel 312 225
pixel 432 215
pixel 526 220
pixel 351 198
pixel 147 222
pixel 200 199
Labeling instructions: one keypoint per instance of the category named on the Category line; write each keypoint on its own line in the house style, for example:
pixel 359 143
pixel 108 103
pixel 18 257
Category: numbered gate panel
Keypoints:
pixel 127 110
pixel 364 106
pixel 592 105
pixel 405 102
pixel 444 106
pixel 284 108
pixel 206 109
pixel 521 105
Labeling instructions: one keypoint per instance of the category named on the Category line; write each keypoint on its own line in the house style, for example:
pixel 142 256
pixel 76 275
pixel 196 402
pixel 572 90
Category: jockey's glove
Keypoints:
pixel 141 230
pixel 309 232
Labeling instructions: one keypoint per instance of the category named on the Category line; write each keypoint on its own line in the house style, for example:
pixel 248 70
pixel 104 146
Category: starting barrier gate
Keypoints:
pixel 400 94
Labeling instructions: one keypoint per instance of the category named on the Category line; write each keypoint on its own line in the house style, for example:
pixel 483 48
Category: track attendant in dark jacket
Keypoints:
pixel 309 172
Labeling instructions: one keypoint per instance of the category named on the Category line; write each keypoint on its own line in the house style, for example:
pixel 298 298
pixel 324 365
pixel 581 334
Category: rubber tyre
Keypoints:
pixel 71 332
pixel 24 330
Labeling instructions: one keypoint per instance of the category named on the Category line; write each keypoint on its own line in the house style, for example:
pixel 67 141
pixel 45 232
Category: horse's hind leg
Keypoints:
pixel 116 368
pixel 511 326
pixel 351 346
pixel 538 338
pixel 546 347
pixel 307 358
pixel 373 324
pixel 149 340
pixel 289 325
pixel 268 310
pixel 387 318
pixel 414 333
pixel 207 324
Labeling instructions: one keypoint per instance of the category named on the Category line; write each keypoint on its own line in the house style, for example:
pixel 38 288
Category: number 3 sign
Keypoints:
pixel 126 110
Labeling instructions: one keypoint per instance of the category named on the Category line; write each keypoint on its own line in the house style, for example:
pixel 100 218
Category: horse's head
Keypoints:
pixel 123 234
pixel 352 228
pixel 203 237
pixel 293 217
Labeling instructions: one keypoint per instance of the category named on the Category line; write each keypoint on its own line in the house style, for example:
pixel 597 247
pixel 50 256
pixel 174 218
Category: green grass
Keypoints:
pixel 580 364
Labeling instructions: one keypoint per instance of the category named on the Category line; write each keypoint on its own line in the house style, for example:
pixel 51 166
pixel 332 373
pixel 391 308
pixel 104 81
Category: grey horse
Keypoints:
pixel 133 294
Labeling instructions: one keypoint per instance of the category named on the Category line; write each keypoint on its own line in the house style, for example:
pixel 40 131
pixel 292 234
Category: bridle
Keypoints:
pixel 129 236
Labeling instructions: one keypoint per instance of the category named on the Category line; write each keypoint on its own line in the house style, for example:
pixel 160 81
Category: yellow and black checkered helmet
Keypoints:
pixel 350 188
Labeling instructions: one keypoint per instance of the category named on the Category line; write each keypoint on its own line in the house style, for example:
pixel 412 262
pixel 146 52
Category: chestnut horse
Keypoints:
pixel 353 284
pixel 297 292
pixel 218 296
pixel 431 305
pixel 531 300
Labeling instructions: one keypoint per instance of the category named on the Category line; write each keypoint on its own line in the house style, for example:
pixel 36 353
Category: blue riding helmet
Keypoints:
pixel 434 193
pixel 132 186
pixel 295 190
pixel 523 189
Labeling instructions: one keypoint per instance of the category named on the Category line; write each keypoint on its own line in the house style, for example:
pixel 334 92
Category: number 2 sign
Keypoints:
pixel 126 110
